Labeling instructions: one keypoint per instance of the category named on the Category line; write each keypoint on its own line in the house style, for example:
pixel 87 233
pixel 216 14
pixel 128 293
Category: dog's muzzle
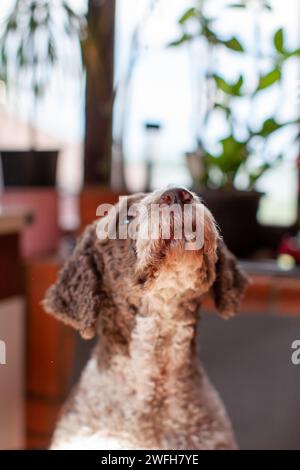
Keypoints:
pixel 176 196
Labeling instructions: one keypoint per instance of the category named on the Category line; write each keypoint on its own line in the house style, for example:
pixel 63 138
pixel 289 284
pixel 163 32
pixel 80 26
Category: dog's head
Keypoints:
pixel 135 252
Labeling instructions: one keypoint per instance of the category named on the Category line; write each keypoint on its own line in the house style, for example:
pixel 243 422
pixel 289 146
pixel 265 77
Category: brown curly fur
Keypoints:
pixel 143 387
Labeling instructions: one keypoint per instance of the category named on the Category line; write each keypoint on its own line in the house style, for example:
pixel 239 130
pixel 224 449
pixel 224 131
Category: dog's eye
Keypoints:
pixel 127 219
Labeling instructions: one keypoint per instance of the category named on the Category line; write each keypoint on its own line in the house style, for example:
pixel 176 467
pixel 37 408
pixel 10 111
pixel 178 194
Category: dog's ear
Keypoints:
pixel 230 282
pixel 75 298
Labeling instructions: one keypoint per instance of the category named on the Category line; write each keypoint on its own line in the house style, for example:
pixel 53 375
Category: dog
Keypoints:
pixel 144 386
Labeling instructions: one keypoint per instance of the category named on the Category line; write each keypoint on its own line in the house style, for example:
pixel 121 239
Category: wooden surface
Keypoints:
pixel 13 220
pixel 50 346
pixel 12 322
pixel 12 380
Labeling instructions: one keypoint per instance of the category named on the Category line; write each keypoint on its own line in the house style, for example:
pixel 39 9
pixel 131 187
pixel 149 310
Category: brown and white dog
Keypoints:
pixel 144 387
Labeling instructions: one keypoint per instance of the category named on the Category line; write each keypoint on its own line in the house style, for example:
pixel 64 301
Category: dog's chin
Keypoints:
pixel 160 252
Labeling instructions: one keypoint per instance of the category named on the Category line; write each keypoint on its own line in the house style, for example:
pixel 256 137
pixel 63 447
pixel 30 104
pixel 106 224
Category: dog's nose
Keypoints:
pixel 176 196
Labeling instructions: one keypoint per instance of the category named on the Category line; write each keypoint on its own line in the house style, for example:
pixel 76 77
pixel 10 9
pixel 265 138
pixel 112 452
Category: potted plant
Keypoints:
pixel 226 168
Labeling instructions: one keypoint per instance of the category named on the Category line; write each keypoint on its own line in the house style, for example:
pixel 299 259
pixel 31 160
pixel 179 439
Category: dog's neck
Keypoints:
pixel 162 351
pixel 160 369
pixel 162 344
pixel 164 334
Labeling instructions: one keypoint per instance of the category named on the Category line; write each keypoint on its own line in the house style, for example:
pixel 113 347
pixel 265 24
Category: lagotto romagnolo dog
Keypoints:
pixel 144 387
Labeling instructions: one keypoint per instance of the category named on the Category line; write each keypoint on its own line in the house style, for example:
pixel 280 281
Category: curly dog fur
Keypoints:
pixel 144 387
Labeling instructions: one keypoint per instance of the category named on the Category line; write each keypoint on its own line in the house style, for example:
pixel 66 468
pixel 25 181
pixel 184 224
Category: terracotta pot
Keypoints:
pixel 90 198
pixel 235 213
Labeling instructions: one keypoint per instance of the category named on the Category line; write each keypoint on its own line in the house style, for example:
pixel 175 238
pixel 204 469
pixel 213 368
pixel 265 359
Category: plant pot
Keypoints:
pixel 91 197
pixel 235 213
pixel 29 168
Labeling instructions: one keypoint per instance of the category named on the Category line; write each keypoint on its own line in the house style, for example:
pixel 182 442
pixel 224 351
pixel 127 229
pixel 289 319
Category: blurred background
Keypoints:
pixel 100 98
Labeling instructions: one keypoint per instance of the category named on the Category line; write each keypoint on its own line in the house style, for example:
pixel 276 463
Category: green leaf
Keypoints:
pixel 190 13
pixel 222 84
pixel 232 156
pixel 233 44
pixel 33 25
pixel 232 148
pixel 257 173
pixel 209 34
pixel 230 89
pixel 269 126
pixel 278 40
pixel 269 79
pixel 238 85
pixel 184 38
pixel 224 108
pixel 294 53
